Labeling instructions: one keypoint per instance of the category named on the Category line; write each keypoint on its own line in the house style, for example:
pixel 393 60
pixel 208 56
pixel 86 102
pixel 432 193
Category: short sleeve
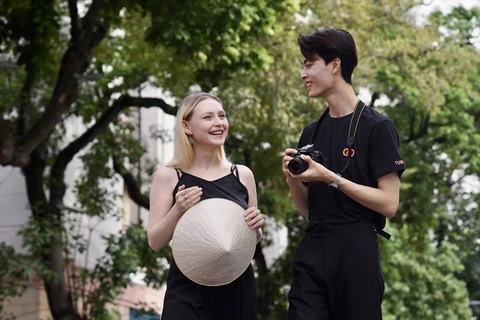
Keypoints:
pixel 303 139
pixel 384 152
pixel 307 135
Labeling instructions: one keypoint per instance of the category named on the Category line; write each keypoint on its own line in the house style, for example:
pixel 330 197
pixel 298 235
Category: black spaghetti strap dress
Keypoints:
pixel 187 300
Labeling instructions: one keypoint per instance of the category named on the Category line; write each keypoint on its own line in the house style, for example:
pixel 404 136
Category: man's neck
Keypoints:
pixel 342 102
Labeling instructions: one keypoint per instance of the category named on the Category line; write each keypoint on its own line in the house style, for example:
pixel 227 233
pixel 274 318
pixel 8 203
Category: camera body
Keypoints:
pixel 297 165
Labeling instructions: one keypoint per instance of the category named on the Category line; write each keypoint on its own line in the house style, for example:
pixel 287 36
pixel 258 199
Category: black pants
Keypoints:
pixel 337 278
pixel 187 300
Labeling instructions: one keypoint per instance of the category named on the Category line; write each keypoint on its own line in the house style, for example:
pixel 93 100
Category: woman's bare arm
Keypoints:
pixel 253 216
pixel 164 215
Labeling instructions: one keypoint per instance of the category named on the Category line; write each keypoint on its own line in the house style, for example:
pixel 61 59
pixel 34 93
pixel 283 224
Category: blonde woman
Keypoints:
pixel 199 171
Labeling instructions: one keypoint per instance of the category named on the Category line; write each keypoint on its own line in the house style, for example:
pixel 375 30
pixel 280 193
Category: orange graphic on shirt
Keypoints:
pixel 345 152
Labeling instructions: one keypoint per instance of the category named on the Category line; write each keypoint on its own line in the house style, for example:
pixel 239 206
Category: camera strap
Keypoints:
pixel 352 131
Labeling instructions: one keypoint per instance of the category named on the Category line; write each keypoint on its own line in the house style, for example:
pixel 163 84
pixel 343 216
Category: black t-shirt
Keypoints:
pixel 375 154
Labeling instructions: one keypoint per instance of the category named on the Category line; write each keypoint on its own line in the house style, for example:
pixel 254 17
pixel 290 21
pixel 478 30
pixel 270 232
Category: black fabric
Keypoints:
pixel 337 272
pixel 187 300
pixel 375 154
pixel 227 187
pixel 337 277
pixel 234 170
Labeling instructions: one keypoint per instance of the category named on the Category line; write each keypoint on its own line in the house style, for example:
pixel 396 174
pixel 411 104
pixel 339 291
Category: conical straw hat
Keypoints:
pixel 212 244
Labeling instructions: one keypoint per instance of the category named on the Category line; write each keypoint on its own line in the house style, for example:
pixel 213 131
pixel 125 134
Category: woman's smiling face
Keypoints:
pixel 208 124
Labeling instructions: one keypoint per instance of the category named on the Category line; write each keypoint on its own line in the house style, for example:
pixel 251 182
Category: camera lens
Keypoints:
pixel 297 165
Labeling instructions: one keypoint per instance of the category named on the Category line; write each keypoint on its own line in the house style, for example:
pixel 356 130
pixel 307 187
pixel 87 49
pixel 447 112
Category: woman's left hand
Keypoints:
pixel 254 218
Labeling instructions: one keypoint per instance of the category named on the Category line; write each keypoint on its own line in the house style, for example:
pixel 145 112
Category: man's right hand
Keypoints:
pixel 297 189
pixel 289 154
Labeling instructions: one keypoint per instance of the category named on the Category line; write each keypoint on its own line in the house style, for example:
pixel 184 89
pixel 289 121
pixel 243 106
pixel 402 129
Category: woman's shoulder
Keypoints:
pixel 243 168
pixel 165 175
pixel 244 172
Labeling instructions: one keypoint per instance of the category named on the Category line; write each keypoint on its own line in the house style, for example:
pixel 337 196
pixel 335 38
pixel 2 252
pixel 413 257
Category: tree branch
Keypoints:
pixel 51 252
pixel 476 115
pixel 264 294
pixel 375 97
pixel 122 103
pixel 132 186
pixel 90 20
pixel 422 131
pixel 56 182
pixel 75 61
pixel 97 36
pixel 25 104
pixel 6 140
pixel 74 26
pixel 151 102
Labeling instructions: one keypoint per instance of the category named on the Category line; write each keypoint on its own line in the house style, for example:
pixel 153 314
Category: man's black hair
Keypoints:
pixel 329 44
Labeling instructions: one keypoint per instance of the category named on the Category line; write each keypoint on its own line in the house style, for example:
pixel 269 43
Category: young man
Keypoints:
pixel 346 192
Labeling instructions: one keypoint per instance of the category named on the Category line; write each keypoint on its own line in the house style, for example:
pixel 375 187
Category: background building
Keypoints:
pixel 15 213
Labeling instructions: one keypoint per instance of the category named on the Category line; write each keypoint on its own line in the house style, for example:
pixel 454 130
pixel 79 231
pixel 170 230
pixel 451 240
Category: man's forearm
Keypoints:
pixel 299 196
pixel 381 200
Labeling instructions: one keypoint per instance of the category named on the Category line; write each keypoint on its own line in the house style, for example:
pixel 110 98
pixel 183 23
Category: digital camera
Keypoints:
pixel 297 165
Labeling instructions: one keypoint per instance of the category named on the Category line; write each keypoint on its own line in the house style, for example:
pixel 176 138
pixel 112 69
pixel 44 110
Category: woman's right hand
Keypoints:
pixel 187 198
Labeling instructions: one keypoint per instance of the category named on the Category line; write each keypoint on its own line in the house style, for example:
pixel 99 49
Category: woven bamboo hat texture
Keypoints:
pixel 212 245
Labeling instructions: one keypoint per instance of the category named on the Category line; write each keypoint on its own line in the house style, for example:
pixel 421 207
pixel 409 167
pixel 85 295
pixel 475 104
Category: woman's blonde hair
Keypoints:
pixel 182 150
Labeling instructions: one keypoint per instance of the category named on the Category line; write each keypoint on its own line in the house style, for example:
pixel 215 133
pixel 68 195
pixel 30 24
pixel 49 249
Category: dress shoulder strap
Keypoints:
pixel 234 171
pixel 179 173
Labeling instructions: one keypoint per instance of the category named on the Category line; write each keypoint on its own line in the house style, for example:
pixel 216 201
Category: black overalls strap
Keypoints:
pixel 352 131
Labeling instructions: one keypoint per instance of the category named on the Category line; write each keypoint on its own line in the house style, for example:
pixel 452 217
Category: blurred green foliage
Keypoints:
pixel 422 74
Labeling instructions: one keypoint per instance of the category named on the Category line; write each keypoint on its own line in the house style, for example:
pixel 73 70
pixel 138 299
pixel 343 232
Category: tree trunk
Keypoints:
pixel 59 297
pixel 264 300
pixel 74 63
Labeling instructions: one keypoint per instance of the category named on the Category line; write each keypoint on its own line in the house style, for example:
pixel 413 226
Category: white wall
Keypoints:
pixel 15 212
pixel 151 119
pixel 14 209
pixel 92 229
pixel 278 233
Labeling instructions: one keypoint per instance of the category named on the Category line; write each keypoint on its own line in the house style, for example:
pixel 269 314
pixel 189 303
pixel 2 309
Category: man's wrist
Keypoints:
pixel 336 181
pixel 331 176
pixel 293 182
